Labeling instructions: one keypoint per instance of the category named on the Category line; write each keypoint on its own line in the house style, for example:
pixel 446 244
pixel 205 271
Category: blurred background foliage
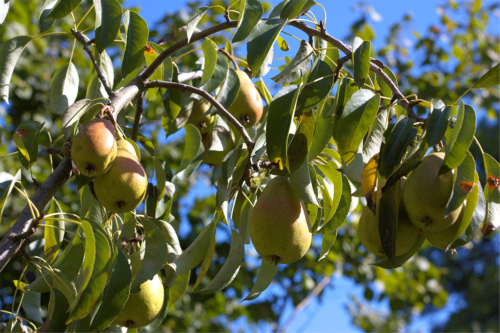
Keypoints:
pixel 447 59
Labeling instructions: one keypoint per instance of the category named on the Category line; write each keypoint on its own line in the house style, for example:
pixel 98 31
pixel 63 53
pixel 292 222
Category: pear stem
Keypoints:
pixel 230 57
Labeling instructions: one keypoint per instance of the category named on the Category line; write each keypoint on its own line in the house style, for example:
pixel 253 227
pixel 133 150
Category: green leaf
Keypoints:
pixel 475 211
pixel 387 215
pixel 264 91
pixel 230 90
pixel 89 256
pixel 355 121
pixel 245 217
pixel 361 63
pixel 341 202
pixel 53 237
pixel 231 266
pixel 107 30
pixel 282 44
pixel 397 142
pixel 31 305
pixel 10 51
pixel 155 256
pixel 63 88
pixel 374 139
pixel 297 67
pixel 161 177
pixel 63 8
pixel 56 320
pixel 172 103
pixel 219 75
pixel 210 54
pixel 88 296
pixel 192 256
pixel 492 195
pixel 327 243
pixel 318 86
pixel 26 138
pixel 292 9
pixel 463 178
pixel 137 38
pixel 260 41
pixel 193 21
pixel 150 54
pixel 323 132
pixel 279 120
pixel 80 111
pixel 437 123
pixel 90 207
pixel 264 278
pixel 399 261
pixel 46 9
pixel 345 90
pixel 115 293
pixel 490 78
pixel 207 260
pixel 193 153
pixel 301 184
pixel 250 13
pixel 7 182
pixel 179 289
pixel 464 131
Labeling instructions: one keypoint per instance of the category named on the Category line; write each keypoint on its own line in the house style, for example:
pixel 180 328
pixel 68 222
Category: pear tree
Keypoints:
pixel 290 163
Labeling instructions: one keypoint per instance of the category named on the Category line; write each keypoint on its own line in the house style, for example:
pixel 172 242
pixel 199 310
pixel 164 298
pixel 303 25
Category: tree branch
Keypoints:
pixel 174 85
pixel 79 37
pixel 42 196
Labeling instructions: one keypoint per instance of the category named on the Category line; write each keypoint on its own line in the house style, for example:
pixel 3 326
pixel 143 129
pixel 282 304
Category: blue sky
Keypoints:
pixel 331 315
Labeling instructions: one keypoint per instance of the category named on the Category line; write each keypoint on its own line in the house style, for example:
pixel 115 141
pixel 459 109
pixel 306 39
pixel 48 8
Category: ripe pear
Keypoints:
pixel 144 306
pixel 279 225
pixel 124 186
pixel 406 232
pixel 443 238
pixel 198 118
pixel 248 106
pixel 93 149
pixel 215 158
pixel 426 194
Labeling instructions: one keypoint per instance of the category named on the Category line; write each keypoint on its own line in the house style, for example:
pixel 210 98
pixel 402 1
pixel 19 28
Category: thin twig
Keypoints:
pixel 79 37
pixel 305 302
pixel 174 85
pixel 138 116
pixel 230 57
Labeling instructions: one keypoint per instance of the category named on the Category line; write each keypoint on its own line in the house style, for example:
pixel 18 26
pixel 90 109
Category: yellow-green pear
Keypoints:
pixel 279 225
pixel 215 158
pixel 426 194
pixel 198 118
pixel 144 306
pixel 248 106
pixel 443 238
pixel 406 232
pixel 93 149
pixel 124 186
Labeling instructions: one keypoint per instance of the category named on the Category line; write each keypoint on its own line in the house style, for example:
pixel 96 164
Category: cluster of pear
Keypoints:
pixel 247 108
pixel 279 225
pixel 120 182
pixel 142 307
pixel 422 208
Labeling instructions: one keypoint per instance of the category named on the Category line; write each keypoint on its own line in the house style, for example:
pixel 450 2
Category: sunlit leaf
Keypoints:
pixel 250 13
pixel 137 38
pixel 266 274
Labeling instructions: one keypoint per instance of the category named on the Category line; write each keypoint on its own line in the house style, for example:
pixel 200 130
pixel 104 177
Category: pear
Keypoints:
pixel 215 158
pixel 426 194
pixel 279 225
pixel 443 238
pixel 93 149
pixel 124 186
pixel 198 118
pixel 247 107
pixel 406 232
pixel 144 306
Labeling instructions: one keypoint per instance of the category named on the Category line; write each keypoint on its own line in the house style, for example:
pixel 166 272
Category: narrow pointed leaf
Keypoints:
pixel 302 186
pixel 399 261
pixel 361 63
pixel 231 266
pixel 193 153
pixel 193 21
pixel 106 32
pixel 10 51
pixel 137 38
pixel 345 91
pixel 318 87
pixel 53 237
pixel 324 130
pixel 437 124
pixel 179 289
pixel 32 306
pixel 63 88
pixel 463 183
pixel 292 9
pixel 230 89
pixel 373 142
pixel 250 13
pixel 207 260
pixel 264 278
pixel 56 320
pixel 260 41
pixel 210 54
pixel 63 8
pixel 46 9
pixel 297 67
pixel 490 78
pixel 355 121
pixel 7 182
pixel 327 243
pixel 26 138
pixel 195 253
pixel 219 75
